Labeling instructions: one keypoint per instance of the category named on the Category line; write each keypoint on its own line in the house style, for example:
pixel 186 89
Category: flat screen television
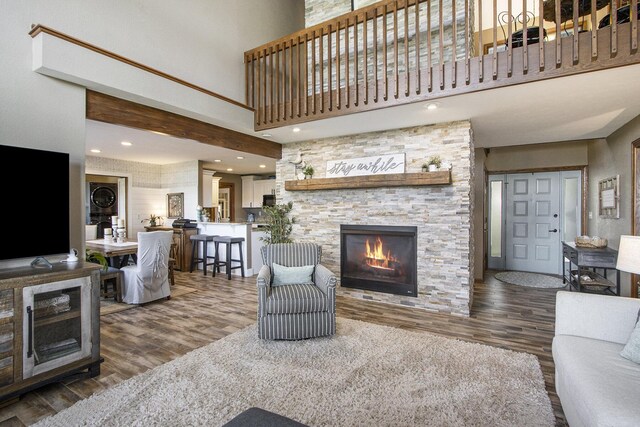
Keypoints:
pixel 35 202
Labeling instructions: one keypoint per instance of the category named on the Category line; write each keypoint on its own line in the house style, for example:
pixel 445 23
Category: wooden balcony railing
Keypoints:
pixel 401 51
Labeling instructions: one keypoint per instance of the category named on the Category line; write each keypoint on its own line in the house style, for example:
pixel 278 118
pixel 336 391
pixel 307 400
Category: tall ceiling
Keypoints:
pixel 584 106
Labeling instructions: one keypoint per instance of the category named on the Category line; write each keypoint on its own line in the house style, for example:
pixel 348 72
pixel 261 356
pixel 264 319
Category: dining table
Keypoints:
pixel 117 254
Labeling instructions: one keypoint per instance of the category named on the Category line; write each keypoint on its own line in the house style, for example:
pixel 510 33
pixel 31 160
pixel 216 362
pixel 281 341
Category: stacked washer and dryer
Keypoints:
pixel 103 204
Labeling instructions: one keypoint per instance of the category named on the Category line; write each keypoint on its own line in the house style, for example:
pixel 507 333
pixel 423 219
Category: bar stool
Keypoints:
pixel 228 241
pixel 195 239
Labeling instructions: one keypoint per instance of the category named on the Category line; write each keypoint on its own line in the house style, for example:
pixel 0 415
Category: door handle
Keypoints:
pixel 555 230
pixel 30 334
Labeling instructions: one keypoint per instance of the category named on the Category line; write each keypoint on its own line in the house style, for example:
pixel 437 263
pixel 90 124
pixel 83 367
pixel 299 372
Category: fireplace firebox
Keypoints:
pixel 379 258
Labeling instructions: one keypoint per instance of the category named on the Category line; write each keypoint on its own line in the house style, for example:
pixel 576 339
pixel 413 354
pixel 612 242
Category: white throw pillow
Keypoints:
pixel 631 350
pixel 292 275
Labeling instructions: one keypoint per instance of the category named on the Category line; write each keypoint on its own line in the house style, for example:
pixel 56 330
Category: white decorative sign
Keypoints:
pixel 375 165
pixel 608 199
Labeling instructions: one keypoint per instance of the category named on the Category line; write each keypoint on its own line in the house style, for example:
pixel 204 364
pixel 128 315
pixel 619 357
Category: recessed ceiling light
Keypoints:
pixel 126 143
pixel 217 160
pixel 95 150
pixel 239 157
pixel 229 169
pixel 266 135
pixel 432 106
pixel 263 166
pixel 296 129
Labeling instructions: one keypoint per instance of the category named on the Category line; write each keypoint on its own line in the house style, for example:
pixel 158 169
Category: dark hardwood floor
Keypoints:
pixel 133 341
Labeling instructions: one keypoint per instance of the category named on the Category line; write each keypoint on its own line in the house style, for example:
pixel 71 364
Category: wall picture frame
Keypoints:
pixel 175 205
pixel 609 197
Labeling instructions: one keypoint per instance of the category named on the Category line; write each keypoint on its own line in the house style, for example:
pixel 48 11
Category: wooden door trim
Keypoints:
pixel 585 196
pixel 635 220
pixel 232 198
pixel 585 184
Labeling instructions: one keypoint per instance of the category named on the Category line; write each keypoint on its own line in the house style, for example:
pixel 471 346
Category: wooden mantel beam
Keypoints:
pixel 371 181
pixel 109 109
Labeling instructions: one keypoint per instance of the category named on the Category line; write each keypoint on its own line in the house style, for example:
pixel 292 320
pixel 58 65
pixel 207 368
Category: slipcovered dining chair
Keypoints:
pixel 148 280
pixel 296 294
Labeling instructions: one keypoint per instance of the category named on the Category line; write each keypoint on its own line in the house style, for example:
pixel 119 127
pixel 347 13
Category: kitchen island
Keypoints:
pixel 250 246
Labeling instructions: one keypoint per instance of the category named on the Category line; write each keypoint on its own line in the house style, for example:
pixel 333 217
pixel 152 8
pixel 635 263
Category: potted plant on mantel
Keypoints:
pixel 432 165
pixel 308 171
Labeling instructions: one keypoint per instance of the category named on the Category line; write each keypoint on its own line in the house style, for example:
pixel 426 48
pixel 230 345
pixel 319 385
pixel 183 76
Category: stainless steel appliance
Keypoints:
pixel 103 204
pixel 268 200
pixel 103 198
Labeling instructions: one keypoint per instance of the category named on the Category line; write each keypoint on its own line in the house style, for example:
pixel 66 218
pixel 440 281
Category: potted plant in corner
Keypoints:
pixel 308 171
pixel 278 223
pixel 433 164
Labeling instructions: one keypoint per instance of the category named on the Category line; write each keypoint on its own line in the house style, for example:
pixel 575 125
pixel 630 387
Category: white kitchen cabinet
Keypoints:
pixel 270 186
pixel 210 188
pixel 253 189
pixel 247 192
pixel 258 191
pixel 207 176
pixel 256 244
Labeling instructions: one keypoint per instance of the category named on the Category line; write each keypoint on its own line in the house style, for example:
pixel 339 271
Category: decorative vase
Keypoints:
pixel 152 223
pixel 433 168
pixel 308 176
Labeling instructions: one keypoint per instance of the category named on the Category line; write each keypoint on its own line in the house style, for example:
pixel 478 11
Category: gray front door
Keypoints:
pixel 532 222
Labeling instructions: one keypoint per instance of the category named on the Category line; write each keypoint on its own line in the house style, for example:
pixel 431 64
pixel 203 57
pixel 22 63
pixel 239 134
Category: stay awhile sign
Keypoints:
pixel 375 165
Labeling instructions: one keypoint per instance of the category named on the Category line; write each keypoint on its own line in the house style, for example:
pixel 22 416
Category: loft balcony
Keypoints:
pixel 398 52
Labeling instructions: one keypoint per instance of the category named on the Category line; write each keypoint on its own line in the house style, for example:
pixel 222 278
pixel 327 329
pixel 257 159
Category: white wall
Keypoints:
pixel 609 157
pixel 201 41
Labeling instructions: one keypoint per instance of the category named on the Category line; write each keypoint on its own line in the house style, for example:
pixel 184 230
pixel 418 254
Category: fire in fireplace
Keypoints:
pixel 379 258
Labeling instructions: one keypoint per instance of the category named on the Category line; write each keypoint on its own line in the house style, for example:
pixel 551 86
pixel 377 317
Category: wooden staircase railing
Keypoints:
pixel 401 51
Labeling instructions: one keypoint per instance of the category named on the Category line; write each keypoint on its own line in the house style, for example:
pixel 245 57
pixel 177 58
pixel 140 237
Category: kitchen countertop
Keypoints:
pixel 254 226
pixel 223 223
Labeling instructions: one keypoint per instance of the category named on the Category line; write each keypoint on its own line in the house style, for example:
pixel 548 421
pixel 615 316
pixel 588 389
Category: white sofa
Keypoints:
pixel 596 386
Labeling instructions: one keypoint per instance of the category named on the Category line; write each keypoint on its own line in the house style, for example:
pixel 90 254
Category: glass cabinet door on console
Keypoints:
pixel 57 324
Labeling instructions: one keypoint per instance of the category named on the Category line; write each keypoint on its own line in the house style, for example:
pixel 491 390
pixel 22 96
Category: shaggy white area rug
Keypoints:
pixel 365 375
pixel 532 280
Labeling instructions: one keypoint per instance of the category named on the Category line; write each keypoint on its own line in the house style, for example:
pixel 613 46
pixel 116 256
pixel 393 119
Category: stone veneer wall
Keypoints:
pixel 317 11
pixel 443 214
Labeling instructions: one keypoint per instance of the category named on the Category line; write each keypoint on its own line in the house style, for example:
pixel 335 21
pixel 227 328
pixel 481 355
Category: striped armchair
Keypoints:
pixel 298 311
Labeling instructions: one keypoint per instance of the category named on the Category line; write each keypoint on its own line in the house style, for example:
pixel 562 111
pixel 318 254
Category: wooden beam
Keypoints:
pixel 109 109
pixel 371 181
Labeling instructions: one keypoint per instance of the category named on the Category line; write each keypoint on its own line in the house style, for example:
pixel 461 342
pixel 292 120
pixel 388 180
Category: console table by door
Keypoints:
pixel 586 261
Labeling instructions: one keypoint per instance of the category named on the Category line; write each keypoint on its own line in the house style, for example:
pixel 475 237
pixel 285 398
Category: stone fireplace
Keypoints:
pixel 441 214
pixel 379 258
